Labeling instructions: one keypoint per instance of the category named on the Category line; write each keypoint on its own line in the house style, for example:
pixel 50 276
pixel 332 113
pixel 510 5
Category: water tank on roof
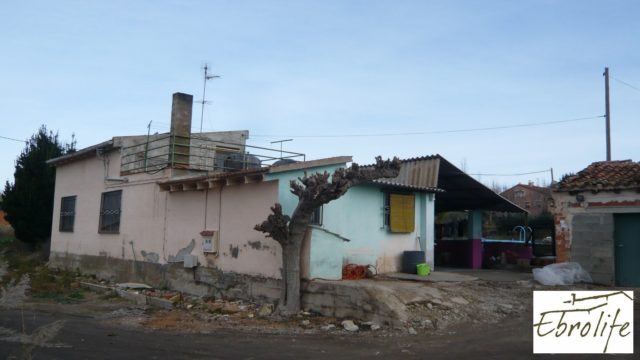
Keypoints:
pixel 236 162
pixel 284 162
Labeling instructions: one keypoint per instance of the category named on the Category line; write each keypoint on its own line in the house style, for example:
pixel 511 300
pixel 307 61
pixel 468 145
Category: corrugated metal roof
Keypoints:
pixel 455 189
pixel 418 173
pixel 388 182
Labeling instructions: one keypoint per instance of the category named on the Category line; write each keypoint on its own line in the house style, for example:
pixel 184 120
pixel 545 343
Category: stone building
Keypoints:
pixel 597 218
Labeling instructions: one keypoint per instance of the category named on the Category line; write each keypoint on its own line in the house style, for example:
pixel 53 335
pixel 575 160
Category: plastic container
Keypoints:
pixel 423 269
pixel 410 259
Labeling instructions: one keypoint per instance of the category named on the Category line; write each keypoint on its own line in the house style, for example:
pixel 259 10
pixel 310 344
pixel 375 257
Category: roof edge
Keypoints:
pixel 81 154
pixel 310 164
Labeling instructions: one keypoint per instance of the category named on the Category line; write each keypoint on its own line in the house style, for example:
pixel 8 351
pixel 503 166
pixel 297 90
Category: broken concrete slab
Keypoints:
pixel 139 299
pixel 360 299
pixel 159 302
pixel 134 286
pixel 97 287
pixel 436 276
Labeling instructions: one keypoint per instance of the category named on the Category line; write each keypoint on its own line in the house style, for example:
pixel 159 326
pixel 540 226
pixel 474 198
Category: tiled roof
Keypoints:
pixel 603 175
pixel 542 190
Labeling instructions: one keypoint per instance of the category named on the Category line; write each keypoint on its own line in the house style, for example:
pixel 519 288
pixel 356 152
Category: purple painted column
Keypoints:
pixel 476 253
pixel 475 234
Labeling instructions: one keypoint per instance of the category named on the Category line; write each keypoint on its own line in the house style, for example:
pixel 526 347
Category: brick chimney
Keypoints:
pixel 180 130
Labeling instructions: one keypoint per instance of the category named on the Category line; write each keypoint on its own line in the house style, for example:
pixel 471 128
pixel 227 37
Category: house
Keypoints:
pixel 178 210
pixel 113 218
pixel 534 199
pixel 597 217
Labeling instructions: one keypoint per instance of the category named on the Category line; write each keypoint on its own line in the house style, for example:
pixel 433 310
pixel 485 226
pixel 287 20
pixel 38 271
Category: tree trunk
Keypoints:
pixel 312 192
pixel 290 295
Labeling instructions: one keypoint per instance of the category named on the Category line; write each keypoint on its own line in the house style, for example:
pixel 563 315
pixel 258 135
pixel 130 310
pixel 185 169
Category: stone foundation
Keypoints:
pixel 355 299
pixel 202 281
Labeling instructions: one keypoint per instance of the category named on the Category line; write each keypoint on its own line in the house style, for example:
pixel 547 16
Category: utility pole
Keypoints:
pixel 607 111
pixel 204 91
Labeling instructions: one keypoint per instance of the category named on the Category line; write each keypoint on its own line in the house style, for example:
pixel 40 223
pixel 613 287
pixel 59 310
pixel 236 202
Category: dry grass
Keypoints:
pixel 19 261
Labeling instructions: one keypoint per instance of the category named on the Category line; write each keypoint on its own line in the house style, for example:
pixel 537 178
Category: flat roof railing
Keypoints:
pixel 198 153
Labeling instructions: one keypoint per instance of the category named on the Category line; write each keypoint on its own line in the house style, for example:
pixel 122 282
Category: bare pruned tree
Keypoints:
pixel 312 192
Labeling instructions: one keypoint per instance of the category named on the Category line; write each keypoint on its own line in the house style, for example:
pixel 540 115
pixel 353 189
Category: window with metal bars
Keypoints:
pixel 399 212
pixel 110 212
pixel 67 213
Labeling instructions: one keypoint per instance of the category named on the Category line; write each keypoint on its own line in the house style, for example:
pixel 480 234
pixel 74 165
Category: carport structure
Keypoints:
pixel 460 193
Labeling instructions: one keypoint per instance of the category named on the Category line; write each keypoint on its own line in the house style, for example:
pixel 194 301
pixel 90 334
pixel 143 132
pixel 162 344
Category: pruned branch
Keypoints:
pixel 317 189
pixel 320 188
pixel 276 226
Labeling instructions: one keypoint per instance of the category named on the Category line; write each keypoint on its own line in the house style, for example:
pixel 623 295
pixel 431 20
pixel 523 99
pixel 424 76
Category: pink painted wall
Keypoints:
pixel 156 225
pixel 140 221
pixel 233 211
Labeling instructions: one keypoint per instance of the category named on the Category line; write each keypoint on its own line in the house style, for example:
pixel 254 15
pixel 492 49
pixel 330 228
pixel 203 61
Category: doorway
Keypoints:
pixel 627 249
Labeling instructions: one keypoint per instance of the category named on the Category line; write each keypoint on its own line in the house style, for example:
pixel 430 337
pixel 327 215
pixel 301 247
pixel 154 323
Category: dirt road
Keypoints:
pixel 98 336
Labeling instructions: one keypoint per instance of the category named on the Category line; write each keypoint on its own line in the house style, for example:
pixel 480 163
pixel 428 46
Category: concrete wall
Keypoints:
pixel 585 230
pixel 199 281
pixel 154 151
pixel 593 246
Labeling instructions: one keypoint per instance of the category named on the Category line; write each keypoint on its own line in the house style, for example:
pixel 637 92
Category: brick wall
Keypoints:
pixel 531 200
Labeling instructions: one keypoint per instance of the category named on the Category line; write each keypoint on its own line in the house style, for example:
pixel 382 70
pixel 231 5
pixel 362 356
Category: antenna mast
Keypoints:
pixel 281 141
pixel 204 91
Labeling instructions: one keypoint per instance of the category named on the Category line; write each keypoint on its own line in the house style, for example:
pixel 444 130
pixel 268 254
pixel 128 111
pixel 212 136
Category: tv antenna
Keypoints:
pixel 204 101
pixel 281 141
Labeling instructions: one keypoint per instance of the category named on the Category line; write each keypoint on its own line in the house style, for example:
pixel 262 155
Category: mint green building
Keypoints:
pixel 372 224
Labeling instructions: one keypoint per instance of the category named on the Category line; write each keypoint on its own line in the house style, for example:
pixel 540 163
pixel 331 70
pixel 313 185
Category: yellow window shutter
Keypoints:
pixel 401 213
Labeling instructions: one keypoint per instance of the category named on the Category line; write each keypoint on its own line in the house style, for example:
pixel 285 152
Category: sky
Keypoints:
pixel 361 78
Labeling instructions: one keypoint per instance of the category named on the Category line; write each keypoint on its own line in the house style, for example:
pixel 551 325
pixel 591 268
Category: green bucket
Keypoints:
pixel 423 269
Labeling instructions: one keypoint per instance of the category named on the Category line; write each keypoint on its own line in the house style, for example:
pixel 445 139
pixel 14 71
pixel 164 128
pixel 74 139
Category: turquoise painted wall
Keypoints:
pixel 359 217
pixel 285 197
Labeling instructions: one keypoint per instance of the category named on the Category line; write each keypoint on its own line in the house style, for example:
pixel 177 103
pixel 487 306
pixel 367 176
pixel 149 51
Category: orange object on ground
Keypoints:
pixel 354 272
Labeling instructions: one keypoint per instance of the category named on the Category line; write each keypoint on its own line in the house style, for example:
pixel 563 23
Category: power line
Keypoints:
pixel 625 83
pixel 526 173
pixel 434 132
pixel 8 138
